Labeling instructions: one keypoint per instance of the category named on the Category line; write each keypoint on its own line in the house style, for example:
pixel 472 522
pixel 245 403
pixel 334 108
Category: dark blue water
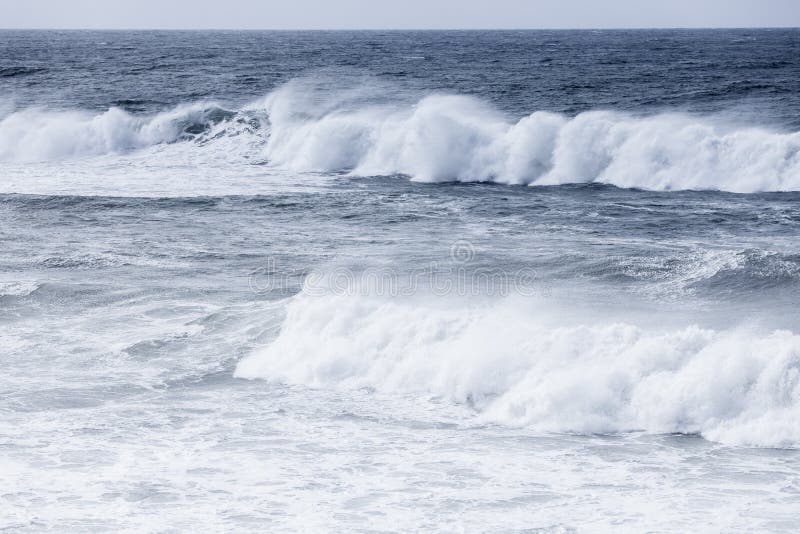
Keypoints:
pixel 521 72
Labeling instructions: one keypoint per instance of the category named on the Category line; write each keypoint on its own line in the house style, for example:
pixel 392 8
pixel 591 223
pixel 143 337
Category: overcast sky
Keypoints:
pixel 391 14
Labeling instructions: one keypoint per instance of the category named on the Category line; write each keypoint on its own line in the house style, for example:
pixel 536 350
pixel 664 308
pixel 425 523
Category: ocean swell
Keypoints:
pixel 516 366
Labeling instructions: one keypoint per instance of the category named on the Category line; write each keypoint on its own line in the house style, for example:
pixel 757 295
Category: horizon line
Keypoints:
pixel 617 28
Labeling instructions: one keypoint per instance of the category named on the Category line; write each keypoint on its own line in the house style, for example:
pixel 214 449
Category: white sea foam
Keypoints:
pixel 519 366
pixel 436 138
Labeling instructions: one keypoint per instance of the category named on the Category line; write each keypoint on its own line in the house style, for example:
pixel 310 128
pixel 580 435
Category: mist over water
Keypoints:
pixel 350 280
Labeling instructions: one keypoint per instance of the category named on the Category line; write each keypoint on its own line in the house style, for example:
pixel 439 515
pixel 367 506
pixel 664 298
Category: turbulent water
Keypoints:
pixel 462 281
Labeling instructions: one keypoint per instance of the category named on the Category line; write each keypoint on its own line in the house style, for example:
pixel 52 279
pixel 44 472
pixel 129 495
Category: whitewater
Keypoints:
pixel 427 281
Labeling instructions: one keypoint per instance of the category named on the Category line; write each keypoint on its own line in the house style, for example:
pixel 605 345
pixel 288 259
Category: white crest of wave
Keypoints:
pixel 459 138
pixel 34 135
pixel 520 368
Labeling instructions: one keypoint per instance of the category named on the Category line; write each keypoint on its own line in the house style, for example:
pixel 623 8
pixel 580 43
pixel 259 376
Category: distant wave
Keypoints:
pixel 437 138
pixel 518 368
pixel 12 72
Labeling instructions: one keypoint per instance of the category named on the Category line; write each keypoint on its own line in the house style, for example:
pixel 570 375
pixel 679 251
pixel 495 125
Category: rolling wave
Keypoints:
pixel 438 138
pixel 518 366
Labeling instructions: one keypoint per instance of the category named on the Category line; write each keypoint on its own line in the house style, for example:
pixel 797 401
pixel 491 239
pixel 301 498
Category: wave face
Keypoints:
pixel 518 367
pixel 436 138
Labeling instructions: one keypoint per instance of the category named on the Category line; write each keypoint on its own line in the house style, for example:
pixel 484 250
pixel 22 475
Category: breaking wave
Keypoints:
pixel 459 138
pixel 518 366
pixel 38 135
pixel 437 138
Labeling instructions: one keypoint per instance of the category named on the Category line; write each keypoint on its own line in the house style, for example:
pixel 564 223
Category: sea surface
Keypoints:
pixel 534 281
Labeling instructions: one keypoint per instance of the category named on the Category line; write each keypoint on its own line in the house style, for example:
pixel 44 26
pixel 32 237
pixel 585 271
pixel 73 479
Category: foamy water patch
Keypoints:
pixel 21 288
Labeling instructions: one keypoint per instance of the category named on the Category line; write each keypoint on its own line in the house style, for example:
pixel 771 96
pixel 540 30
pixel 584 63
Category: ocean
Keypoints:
pixel 461 281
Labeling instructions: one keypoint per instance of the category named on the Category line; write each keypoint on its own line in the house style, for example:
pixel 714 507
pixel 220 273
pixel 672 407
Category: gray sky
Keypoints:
pixel 355 14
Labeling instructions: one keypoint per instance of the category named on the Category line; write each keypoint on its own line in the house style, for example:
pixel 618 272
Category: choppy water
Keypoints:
pixel 420 281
